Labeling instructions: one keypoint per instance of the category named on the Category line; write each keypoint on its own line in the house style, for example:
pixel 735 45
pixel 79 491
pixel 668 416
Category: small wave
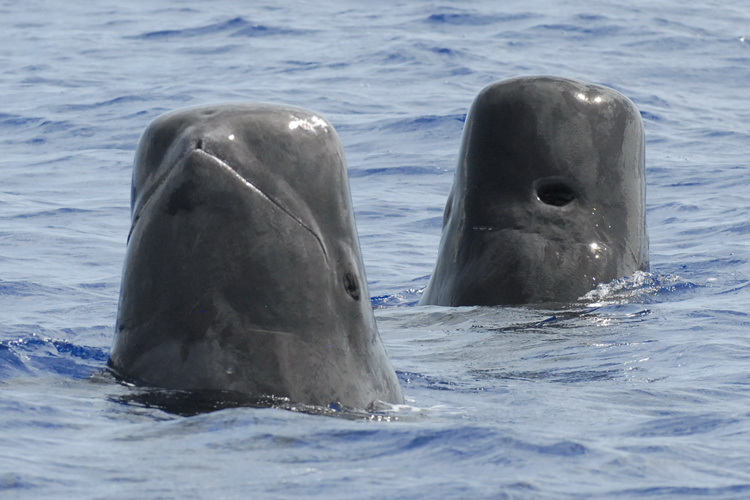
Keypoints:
pixel 407 298
pixel 473 19
pixel 17 121
pixel 454 122
pixel 126 100
pixel 641 287
pixel 11 364
pixel 650 117
pixel 734 491
pixel 261 30
pixel 741 228
pixel 414 380
pixel 24 288
pixel 36 354
pixel 237 27
pixel 49 213
pixel 44 127
pixel 583 31
pixel 555 376
pixel 232 24
pixel 684 425
pixel 561 448
pixel 403 170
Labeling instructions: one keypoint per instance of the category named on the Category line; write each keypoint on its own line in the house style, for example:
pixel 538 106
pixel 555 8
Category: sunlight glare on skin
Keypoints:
pixel 309 125
pixel 583 97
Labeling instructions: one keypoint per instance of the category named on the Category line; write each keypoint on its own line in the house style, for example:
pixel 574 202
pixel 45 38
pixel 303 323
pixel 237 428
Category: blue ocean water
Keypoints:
pixel 641 390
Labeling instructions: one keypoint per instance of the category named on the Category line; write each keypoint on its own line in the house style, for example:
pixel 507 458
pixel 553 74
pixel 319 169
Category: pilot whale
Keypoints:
pixel 243 271
pixel 548 197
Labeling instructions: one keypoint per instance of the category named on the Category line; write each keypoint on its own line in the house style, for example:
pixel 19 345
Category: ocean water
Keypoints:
pixel 641 390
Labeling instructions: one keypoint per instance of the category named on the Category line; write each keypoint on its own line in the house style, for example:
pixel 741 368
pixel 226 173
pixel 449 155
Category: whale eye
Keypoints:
pixel 556 194
pixel 351 286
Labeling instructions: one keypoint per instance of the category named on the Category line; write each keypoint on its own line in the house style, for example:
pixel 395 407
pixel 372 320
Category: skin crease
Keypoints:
pixel 243 271
pixel 548 199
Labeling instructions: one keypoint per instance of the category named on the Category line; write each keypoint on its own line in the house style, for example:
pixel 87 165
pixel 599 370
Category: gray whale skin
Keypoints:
pixel 548 198
pixel 243 271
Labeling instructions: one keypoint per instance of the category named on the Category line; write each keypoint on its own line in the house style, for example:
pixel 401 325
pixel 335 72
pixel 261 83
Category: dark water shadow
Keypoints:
pixel 184 403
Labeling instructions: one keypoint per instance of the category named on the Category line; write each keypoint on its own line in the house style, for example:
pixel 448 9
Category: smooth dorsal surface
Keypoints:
pixel 548 198
pixel 243 271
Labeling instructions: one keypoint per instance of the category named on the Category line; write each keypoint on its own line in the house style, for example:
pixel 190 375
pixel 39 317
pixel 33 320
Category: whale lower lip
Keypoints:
pixel 255 189
pixel 249 185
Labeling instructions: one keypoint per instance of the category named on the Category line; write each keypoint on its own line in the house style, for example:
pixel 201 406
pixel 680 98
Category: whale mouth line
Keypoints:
pixel 255 189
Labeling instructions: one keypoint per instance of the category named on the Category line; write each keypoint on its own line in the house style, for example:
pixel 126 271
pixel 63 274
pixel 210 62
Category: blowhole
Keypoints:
pixel 556 194
pixel 199 144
